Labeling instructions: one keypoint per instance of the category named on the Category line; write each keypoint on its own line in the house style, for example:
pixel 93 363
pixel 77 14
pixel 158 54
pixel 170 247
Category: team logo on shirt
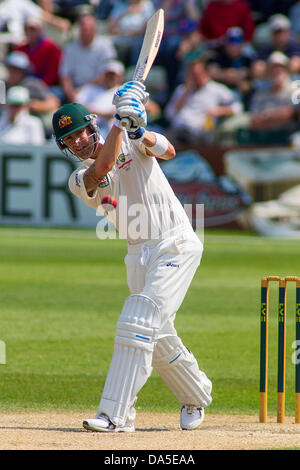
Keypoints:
pixel 123 163
pixel 121 158
pixel 64 121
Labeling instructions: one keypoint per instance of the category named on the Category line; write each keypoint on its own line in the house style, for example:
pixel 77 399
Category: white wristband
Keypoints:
pixel 161 145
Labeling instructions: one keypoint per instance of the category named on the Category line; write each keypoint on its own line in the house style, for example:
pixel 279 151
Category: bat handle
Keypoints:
pixel 126 122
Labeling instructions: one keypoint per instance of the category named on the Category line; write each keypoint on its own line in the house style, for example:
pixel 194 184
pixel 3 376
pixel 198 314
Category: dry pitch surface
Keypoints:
pixel 63 431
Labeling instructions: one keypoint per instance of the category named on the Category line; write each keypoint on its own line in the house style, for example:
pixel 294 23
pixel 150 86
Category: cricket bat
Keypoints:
pixel 152 39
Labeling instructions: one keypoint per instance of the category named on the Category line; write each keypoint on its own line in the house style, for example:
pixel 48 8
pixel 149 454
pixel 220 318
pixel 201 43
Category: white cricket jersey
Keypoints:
pixel 147 206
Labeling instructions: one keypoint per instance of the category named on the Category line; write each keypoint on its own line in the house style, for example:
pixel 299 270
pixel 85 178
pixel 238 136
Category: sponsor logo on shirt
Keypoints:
pixel 77 180
pixel 172 265
pixel 104 182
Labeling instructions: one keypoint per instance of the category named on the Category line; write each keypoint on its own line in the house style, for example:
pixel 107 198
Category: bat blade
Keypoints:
pixel 152 39
pixel 151 42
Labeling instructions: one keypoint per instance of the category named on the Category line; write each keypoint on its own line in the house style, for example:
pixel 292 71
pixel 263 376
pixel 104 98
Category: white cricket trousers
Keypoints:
pixel 162 270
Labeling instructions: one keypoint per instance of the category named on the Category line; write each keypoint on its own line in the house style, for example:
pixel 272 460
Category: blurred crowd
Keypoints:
pixel 227 71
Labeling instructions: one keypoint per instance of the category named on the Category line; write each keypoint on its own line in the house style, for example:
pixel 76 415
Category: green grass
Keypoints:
pixel 62 292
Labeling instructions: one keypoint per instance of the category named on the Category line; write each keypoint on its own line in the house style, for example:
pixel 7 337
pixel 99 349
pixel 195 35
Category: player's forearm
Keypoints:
pixel 105 160
pixel 150 141
pixel 109 152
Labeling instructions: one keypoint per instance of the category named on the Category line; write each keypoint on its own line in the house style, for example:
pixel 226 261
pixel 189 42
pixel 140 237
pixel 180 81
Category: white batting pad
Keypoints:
pixel 131 363
pixel 178 368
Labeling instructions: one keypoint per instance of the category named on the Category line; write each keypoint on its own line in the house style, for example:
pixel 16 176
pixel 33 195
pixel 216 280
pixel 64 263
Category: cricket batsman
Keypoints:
pixel 161 260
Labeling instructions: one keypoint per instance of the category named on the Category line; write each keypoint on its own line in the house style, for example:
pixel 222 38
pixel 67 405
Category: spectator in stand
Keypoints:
pixel 178 13
pixel 126 24
pixel 84 58
pixel 98 98
pixel 13 14
pixel 266 103
pixel 42 102
pixel 197 105
pixel 230 63
pixel 189 47
pixel 220 15
pixel 281 40
pixel 17 126
pixel 44 54
pixel 195 50
pixel 217 17
pixel 271 110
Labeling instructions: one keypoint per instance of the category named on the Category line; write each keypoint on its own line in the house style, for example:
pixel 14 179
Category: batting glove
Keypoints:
pixel 135 89
pixel 133 110
pixel 138 134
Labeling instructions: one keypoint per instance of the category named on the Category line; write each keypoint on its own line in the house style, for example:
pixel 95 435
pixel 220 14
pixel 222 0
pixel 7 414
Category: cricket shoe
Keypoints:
pixel 191 417
pixel 104 424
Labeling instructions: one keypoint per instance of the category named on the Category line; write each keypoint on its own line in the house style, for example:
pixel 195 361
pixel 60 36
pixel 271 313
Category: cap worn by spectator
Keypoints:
pixel 279 22
pixel 234 35
pixel 278 58
pixel 187 26
pixel 18 60
pixel 17 96
pixel 114 66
